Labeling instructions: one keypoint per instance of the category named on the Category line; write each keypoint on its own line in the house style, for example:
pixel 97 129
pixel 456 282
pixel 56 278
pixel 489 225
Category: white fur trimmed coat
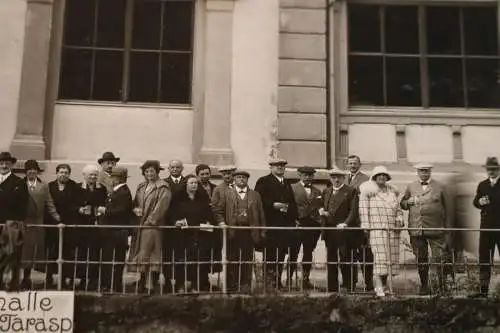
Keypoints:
pixel 380 209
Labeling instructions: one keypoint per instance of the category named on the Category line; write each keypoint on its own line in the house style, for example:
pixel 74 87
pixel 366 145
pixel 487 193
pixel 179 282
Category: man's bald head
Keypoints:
pixel 175 167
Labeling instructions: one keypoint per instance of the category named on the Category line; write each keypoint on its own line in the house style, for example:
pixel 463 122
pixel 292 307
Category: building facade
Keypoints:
pixel 238 81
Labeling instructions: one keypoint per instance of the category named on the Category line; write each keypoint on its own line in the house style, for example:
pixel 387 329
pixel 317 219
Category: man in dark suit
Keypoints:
pixel 242 207
pixel 14 200
pixel 118 211
pixel 309 201
pixel 340 206
pixel 358 241
pixel 171 240
pixel 280 210
pixel 487 199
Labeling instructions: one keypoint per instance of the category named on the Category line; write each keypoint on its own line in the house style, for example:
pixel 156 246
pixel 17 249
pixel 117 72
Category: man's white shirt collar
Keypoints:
pixel 118 186
pixel 335 189
pixel 176 179
pixel 281 179
pixel 4 177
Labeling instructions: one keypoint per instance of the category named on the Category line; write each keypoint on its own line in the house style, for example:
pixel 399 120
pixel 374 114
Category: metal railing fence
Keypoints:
pixel 227 260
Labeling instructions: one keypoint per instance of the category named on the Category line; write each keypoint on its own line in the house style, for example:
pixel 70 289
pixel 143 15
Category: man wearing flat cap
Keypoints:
pixel 14 199
pixel 280 210
pixel 339 210
pixel 118 211
pixel 487 199
pixel 241 207
pixel 429 206
pixel 309 201
pixel 107 162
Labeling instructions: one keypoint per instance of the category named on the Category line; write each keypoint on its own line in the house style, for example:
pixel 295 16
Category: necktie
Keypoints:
pixel 425 183
pixel 241 192
pixel 176 181
pixel 349 179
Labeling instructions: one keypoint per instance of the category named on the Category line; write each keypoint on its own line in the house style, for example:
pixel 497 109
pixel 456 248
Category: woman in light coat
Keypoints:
pixel 151 203
pixel 380 213
pixel 40 202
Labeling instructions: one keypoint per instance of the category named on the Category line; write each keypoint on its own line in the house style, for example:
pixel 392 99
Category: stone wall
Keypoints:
pixel 284 314
pixel 302 94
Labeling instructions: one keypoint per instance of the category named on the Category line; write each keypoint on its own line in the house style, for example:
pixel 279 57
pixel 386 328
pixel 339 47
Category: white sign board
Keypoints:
pixel 37 311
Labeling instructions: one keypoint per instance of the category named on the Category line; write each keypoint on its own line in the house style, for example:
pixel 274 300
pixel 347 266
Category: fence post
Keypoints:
pixel 60 228
pixel 224 259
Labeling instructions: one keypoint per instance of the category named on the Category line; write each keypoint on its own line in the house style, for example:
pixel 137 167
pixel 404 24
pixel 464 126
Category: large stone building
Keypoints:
pixel 239 80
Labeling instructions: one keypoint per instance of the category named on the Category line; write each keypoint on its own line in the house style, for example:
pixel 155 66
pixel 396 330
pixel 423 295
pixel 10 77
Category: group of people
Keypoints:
pixel 359 217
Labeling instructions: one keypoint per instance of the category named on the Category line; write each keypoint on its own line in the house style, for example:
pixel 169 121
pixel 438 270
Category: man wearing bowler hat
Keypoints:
pixel 487 199
pixel 429 206
pixel 118 211
pixel 14 199
pixel 280 210
pixel 107 162
pixel 339 210
pixel 309 201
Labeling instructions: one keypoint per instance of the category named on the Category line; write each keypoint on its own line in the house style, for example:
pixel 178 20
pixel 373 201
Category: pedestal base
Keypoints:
pixel 216 156
pixel 26 147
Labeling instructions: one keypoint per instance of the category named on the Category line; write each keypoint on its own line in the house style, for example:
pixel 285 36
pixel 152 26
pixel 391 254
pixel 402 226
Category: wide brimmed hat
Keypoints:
pixel 108 156
pixel 119 172
pixel 306 170
pixel 227 168
pixel 336 171
pixel 491 163
pixel 380 170
pixel 423 166
pixel 241 173
pixel 6 156
pixel 278 161
pixel 151 163
pixel 31 165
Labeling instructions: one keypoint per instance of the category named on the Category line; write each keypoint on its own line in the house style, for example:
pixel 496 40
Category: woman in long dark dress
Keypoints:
pixel 192 208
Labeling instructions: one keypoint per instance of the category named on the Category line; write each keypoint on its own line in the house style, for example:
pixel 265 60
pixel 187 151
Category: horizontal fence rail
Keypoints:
pixel 226 260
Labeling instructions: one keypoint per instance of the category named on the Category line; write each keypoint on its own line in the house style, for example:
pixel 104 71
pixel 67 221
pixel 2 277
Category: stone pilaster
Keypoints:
pixel 216 146
pixel 28 140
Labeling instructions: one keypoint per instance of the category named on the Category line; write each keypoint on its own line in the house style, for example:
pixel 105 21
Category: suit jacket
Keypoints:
pixel 226 212
pixel 307 205
pixel 176 188
pixel 490 214
pixel 357 180
pixel 342 208
pixel 95 198
pixel 119 211
pixel 271 191
pixel 14 199
pixel 212 187
pixel 219 192
pixel 432 209
pixel 67 202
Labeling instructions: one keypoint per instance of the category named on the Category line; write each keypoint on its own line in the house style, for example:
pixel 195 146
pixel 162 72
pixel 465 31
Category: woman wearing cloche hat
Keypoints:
pixel 380 213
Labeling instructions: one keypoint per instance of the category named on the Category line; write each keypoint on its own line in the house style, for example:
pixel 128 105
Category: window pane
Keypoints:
pixel 144 77
pixel 147 24
pixel 111 23
pixel 364 28
pixel 401 29
pixel 79 22
pixel 365 80
pixel 108 76
pixel 443 30
pixel 178 26
pixel 176 78
pixel 480 25
pixel 482 88
pixel 403 81
pixel 445 83
pixel 75 74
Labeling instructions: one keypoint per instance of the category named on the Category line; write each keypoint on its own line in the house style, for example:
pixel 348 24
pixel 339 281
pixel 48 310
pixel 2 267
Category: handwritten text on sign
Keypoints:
pixel 37 311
